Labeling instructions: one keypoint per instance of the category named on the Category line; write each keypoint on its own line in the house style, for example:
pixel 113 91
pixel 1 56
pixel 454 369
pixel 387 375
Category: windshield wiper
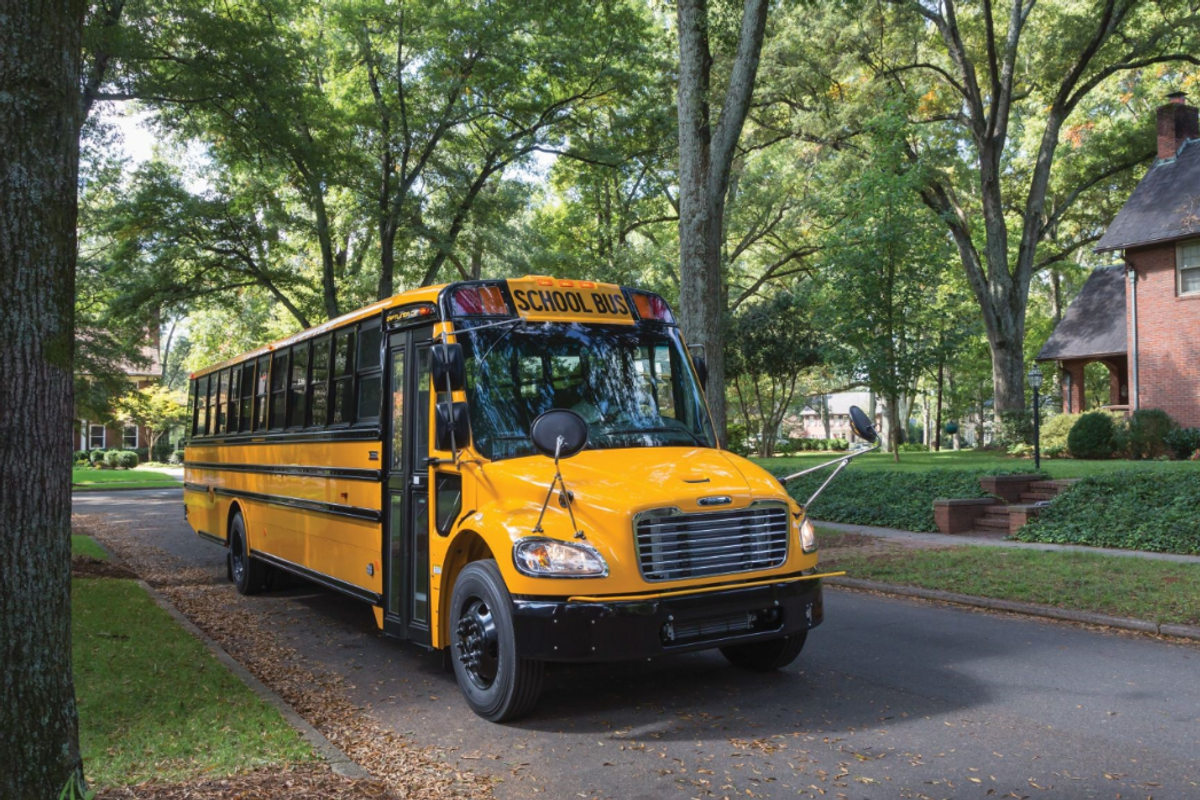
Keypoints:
pixel 695 439
pixel 512 326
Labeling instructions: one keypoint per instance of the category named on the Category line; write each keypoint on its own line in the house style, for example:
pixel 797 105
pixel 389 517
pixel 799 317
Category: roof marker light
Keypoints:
pixel 652 307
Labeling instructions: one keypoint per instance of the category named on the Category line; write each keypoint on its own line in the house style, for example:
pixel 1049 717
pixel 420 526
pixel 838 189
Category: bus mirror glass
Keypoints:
pixel 559 433
pixel 862 426
pixel 448 366
pixel 453 429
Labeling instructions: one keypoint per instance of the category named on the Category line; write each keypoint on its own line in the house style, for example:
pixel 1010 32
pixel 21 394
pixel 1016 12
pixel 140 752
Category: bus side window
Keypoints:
pixel 370 372
pixel 319 385
pixel 219 401
pixel 201 406
pixel 210 398
pixel 343 377
pixel 235 388
pixel 260 393
pixel 297 405
pixel 279 385
pixel 664 391
pixel 246 412
pixel 191 408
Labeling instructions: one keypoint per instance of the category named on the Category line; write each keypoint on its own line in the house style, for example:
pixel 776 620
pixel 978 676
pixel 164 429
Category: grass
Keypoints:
pixel 86 546
pixel 87 478
pixel 1159 591
pixel 972 459
pixel 154 703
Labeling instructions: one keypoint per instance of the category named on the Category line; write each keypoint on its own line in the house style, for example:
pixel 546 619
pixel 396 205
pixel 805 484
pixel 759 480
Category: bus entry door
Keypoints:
pixel 406 543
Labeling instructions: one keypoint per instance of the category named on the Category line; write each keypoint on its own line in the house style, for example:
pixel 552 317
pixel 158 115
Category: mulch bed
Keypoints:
pixel 401 769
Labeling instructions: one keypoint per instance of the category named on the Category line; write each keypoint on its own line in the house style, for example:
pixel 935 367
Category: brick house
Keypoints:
pixel 1141 318
pixel 111 435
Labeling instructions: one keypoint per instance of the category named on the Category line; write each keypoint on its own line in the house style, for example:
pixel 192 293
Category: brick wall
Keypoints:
pixel 1168 336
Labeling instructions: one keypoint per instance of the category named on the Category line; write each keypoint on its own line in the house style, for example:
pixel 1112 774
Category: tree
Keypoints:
pixel 40 117
pixel 706 156
pixel 771 342
pixel 154 408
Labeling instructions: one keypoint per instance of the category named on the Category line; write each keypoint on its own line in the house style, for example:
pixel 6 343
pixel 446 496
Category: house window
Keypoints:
pixel 96 437
pixel 1188 267
pixel 129 437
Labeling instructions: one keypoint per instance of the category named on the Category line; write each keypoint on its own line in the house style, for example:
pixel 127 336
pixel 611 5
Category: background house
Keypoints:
pixel 811 424
pixel 103 432
pixel 1142 318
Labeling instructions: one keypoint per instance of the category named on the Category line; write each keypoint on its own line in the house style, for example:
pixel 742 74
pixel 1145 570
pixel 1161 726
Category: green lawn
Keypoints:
pixel 972 459
pixel 154 703
pixel 86 546
pixel 86 478
pixel 1159 591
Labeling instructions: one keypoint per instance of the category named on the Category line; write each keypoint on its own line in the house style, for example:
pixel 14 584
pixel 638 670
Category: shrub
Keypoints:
pixel 1148 428
pixel 1013 427
pixel 1021 450
pixel 890 499
pixel 1184 441
pixel 81 455
pixel 96 456
pixel 914 447
pixel 128 459
pixel 176 457
pixel 1092 436
pixel 1054 452
pixel 1055 431
pixel 112 459
pixel 738 439
pixel 1133 510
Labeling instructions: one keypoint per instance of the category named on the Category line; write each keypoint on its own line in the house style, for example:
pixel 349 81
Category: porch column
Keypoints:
pixel 1073 394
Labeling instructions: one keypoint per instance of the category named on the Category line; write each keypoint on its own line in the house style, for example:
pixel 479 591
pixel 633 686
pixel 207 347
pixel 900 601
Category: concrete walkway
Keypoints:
pixel 948 540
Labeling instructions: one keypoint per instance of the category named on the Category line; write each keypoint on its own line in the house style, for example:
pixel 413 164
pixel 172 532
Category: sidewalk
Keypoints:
pixel 914 539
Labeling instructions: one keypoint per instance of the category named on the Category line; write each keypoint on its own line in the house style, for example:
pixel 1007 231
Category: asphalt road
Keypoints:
pixel 891 699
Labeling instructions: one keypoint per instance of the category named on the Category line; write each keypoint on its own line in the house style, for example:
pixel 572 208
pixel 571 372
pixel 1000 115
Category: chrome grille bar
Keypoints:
pixel 675 546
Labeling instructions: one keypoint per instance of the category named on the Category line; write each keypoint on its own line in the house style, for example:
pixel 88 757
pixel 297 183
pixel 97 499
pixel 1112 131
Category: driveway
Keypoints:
pixel 891 699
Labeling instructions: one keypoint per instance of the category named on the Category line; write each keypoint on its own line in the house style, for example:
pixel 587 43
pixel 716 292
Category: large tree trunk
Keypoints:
pixel 705 161
pixel 40 115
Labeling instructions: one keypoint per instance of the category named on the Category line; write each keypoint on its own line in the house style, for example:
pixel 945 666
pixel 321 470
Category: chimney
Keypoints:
pixel 1177 122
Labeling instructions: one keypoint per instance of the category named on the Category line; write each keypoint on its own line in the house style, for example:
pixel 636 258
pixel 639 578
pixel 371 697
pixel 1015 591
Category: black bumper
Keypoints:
pixel 559 630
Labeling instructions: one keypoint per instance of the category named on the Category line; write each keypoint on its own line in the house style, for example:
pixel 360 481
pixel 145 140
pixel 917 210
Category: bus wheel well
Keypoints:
pixel 468 546
pixel 234 508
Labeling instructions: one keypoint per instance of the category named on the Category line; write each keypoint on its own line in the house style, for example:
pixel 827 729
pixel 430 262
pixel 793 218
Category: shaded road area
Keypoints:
pixel 891 699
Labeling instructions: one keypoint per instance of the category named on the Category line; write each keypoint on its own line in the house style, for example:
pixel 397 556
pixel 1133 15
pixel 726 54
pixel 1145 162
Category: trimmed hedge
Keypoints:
pixel 1091 436
pixel 1130 510
pixel 901 500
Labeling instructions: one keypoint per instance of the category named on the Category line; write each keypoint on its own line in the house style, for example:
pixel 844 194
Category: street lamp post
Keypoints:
pixel 1035 381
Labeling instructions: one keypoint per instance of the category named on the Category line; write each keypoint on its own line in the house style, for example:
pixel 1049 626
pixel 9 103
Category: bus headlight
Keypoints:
pixel 540 557
pixel 808 536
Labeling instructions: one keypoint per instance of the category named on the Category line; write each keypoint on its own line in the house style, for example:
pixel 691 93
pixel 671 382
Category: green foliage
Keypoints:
pixel 1148 429
pixel 914 447
pixel 1184 441
pixel 176 458
pixel 96 456
pixel 112 459
pixel 1013 428
pixel 739 439
pixel 80 455
pixel 1125 509
pixel 802 444
pixel 1092 436
pixel 128 459
pixel 1055 431
pixel 901 500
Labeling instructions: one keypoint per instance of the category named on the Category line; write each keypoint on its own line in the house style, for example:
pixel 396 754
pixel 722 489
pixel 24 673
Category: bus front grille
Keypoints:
pixel 675 546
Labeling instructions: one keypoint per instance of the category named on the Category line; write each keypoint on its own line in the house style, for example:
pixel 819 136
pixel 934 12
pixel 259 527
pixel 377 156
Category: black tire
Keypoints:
pixel 497 683
pixel 248 574
pixel 766 656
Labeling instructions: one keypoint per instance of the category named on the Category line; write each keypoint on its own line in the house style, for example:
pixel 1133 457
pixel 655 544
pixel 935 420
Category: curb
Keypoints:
pixel 116 487
pixel 338 761
pixel 1029 609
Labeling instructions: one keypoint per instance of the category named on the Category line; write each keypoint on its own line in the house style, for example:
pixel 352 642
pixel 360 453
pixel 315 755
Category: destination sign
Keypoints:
pixel 570 301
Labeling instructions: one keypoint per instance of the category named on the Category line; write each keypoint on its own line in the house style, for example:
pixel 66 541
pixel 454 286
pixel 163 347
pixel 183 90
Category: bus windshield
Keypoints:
pixel 633 386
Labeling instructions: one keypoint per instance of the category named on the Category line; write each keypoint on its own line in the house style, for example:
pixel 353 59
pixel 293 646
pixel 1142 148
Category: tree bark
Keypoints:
pixel 705 161
pixel 40 117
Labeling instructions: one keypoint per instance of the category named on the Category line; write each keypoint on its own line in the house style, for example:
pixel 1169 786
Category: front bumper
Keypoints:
pixel 562 630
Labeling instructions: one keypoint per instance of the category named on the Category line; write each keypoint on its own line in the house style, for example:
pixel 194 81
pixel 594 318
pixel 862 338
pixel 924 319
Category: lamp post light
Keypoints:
pixel 1035 381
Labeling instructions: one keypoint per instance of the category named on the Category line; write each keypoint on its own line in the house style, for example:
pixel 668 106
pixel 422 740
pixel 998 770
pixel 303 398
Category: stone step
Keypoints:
pixel 1044 485
pixel 998 510
pixel 1034 497
pixel 992 524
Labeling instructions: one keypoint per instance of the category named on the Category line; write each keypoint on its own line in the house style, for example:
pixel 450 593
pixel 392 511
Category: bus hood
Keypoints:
pixel 610 486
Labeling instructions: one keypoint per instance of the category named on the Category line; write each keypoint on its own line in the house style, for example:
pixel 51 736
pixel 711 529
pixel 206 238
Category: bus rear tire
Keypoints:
pixel 249 575
pixel 498 684
pixel 766 656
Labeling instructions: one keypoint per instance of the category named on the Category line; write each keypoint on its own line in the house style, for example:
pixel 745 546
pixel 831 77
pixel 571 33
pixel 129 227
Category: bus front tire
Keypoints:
pixel 248 575
pixel 498 684
pixel 766 656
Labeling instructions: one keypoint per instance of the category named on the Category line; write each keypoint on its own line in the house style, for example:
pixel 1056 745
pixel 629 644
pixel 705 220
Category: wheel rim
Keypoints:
pixel 478 643
pixel 238 560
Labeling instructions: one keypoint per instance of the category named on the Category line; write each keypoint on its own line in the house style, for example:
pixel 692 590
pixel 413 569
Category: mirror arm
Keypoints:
pixel 841 465
pixel 563 491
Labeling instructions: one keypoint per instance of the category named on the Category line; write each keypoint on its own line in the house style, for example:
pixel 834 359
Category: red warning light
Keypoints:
pixel 652 307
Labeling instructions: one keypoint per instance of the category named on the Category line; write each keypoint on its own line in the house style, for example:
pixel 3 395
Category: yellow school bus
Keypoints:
pixel 518 471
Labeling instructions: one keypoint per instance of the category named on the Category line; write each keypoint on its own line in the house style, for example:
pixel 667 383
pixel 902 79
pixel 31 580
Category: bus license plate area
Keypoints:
pixel 677 633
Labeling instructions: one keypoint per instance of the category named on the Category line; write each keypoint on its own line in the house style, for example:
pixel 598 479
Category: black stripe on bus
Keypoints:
pixel 371 434
pixel 211 538
pixel 336 509
pixel 346 473
pixel 320 577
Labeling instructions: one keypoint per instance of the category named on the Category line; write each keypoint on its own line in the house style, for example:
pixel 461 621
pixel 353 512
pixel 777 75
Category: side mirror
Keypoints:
pixel 701 364
pixel 452 428
pixel 559 433
pixel 862 426
pixel 448 366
